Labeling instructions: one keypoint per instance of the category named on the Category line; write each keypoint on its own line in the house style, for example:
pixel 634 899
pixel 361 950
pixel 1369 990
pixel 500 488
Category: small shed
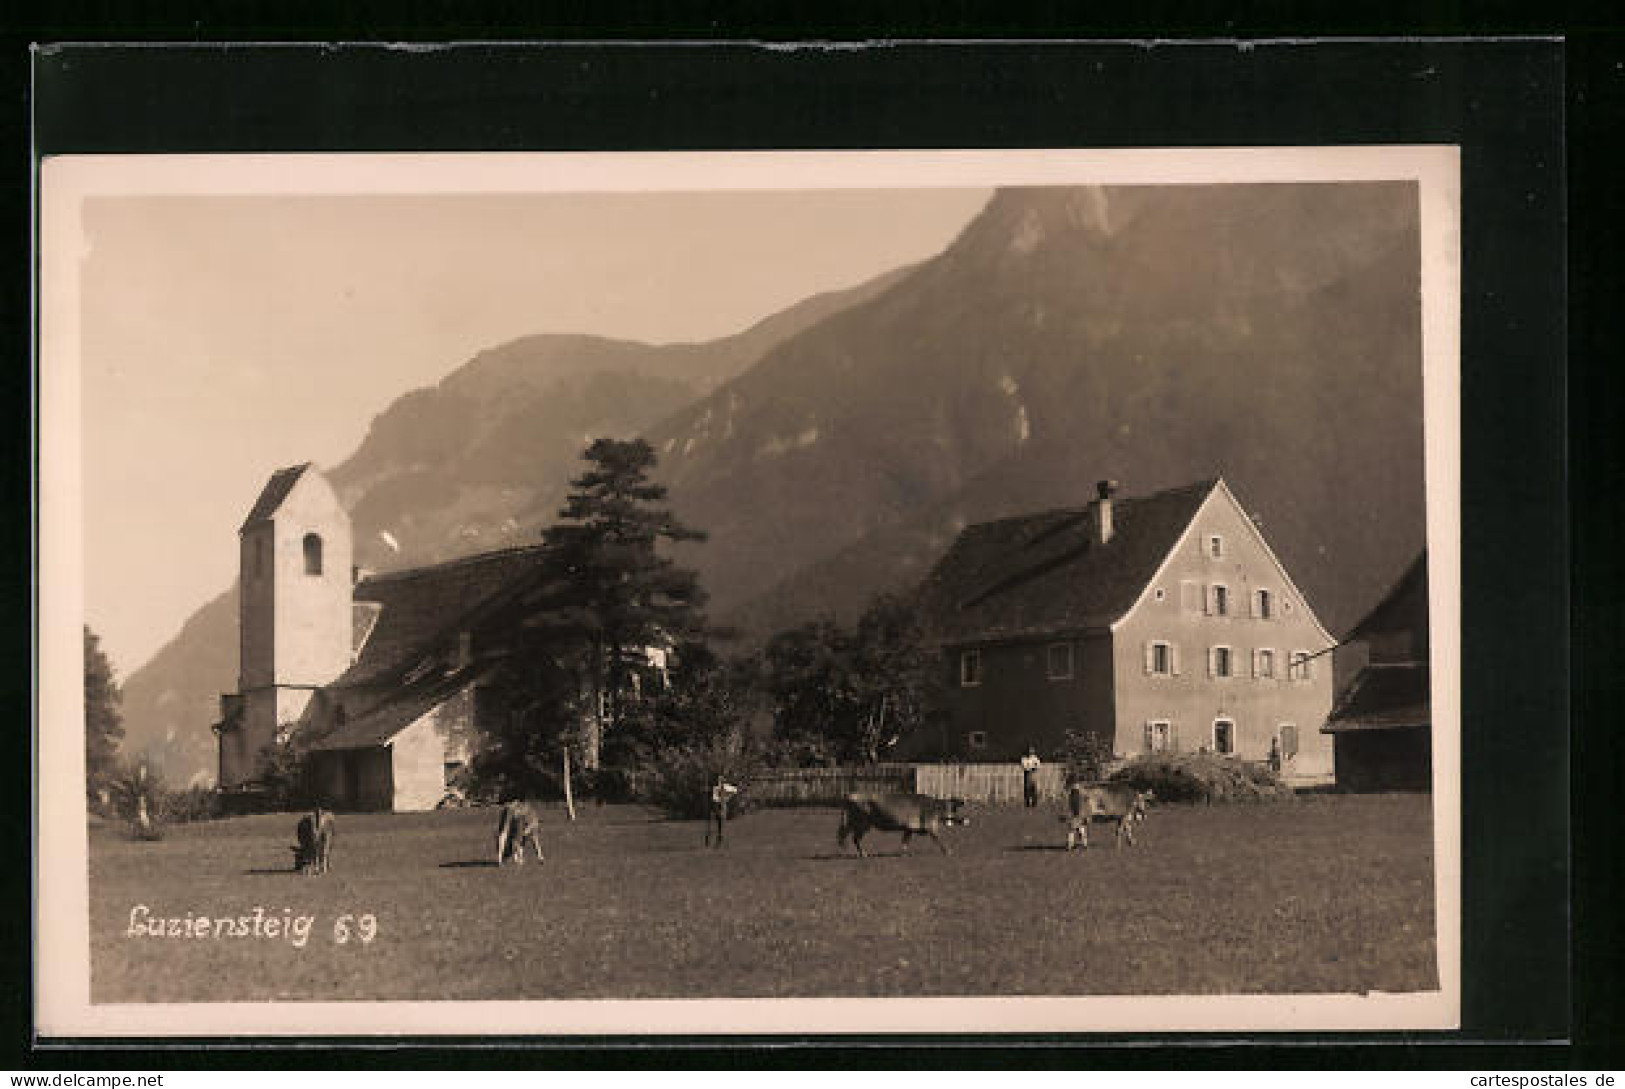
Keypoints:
pixel 1381 725
pixel 396 756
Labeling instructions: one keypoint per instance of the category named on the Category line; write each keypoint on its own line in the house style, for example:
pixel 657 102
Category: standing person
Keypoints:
pixel 722 792
pixel 1275 755
pixel 1029 777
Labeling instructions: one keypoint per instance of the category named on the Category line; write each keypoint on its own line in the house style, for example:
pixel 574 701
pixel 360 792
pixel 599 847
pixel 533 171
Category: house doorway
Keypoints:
pixel 1286 735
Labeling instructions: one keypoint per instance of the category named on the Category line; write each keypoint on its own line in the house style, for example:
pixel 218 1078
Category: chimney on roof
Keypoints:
pixel 1101 510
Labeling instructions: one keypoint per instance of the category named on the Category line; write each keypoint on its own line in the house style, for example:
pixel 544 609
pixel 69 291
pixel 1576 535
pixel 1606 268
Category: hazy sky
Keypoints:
pixel 226 336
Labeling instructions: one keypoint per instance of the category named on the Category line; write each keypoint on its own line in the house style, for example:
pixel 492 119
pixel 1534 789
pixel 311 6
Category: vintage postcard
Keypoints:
pixel 749 592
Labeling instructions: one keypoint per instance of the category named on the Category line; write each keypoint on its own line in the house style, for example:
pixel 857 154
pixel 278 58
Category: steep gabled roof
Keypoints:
pixel 1403 609
pixel 275 491
pixel 419 611
pixel 1383 697
pixel 1043 573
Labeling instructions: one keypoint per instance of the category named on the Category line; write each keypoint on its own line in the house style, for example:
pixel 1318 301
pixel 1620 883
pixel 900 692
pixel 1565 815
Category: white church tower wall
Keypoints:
pixel 295 557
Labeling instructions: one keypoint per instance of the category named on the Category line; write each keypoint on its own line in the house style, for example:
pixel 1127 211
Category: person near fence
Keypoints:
pixel 1029 777
pixel 722 792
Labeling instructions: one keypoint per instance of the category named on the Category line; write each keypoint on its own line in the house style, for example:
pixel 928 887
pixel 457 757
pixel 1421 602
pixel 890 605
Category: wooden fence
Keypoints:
pixel 827 786
pixel 987 784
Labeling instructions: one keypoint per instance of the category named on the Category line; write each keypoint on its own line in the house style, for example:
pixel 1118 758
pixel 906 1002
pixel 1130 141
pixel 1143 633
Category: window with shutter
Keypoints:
pixel 1263 605
pixel 1289 740
pixel 1159 661
pixel 1224 736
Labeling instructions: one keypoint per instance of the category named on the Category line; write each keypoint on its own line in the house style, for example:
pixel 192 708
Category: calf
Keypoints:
pixel 516 823
pixel 1109 802
pixel 910 814
pixel 315 834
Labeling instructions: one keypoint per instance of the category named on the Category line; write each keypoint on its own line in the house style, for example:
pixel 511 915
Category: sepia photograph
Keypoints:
pixel 534 593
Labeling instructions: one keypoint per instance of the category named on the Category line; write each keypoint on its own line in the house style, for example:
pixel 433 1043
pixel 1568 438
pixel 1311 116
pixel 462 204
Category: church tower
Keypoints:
pixel 294 584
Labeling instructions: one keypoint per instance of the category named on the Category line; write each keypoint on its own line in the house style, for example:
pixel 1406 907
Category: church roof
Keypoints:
pixel 391 712
pixel 1383 697
pixel 1045 573
pixel 418 611
pixel 275 491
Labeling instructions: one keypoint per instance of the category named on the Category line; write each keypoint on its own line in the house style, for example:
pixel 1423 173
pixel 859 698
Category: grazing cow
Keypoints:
pixel 910 814
pixel 1109 802
pixel 516 823
pixel 315 834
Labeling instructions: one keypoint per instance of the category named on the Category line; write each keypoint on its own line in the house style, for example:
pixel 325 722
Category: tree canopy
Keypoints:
pixel 854 694
pixel 104 720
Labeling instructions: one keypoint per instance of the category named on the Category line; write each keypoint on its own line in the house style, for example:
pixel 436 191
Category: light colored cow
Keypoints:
pixel 1109 802
pixel 516 823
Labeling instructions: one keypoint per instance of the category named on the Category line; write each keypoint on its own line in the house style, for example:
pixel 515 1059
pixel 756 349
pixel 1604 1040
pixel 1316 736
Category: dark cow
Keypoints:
pixel 1109 802
pixel 315 834
pixel 517 823
pixel 910 814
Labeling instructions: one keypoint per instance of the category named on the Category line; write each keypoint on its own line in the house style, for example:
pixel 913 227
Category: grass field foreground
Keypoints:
pixel 1322 894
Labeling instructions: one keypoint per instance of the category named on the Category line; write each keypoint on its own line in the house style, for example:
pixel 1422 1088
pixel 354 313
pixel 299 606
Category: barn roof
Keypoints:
pixel 1383 697
pixel 416 612
pixel 275 491
pixel 1403 609
pixel 1044 573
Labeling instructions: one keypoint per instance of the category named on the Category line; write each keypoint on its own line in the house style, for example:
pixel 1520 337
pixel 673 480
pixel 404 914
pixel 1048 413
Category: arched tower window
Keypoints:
pixel 313 554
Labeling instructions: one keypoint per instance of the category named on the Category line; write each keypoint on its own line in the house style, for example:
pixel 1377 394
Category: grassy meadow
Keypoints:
pixel 1322 894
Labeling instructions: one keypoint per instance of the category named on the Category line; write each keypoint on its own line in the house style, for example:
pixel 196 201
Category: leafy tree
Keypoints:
pixel 618 594
pixel 898 683
pixel 809 675
pixel 693 729
pixel 1086 755
pixel 854 693
pixel 104 722
pixel 284 774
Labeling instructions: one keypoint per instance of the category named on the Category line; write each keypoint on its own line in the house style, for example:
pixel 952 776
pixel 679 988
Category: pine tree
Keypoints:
pixel 104 722
pixel 617 592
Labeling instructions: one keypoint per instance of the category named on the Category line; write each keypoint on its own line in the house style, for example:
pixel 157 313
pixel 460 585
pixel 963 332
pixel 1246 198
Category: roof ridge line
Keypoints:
pixel 442 565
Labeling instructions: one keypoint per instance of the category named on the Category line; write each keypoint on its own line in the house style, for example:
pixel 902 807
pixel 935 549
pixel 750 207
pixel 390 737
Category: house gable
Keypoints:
pixel 1196 538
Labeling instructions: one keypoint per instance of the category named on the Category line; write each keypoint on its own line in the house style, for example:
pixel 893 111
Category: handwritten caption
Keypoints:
pixel 262 924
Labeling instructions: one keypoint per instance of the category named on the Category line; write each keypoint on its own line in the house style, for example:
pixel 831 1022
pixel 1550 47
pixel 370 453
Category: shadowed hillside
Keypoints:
pixel 1268 333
